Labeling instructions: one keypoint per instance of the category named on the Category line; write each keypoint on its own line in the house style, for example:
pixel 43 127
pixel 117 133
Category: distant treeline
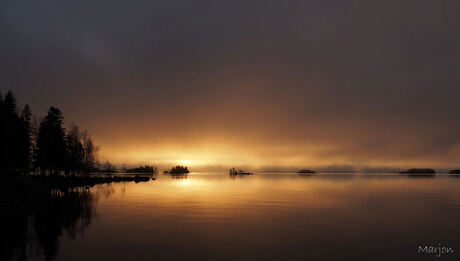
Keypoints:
pixel 143 169
pixel 43 146
pixel 418 171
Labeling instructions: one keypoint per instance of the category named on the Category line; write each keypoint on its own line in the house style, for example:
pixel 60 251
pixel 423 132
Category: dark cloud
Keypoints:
pixel 374 82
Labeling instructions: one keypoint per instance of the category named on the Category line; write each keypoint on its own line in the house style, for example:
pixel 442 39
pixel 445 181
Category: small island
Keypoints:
pixel 178 170
pixel 143 169
pixel 455 171
pixel 425 171
pixel 306 171
pixel 235 171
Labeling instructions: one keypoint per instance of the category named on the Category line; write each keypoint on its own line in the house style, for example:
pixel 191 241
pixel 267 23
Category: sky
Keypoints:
pixel 324 84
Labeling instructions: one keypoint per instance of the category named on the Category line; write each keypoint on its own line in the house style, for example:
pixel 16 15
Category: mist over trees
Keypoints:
pixel 43 146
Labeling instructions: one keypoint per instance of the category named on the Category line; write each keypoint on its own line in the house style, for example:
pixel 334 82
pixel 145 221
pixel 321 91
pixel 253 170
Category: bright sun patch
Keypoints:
pixel 184 162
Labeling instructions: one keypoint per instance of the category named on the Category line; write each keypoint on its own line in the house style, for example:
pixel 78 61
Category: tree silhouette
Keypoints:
pixel 179 170
pixel 51 142
pixel 74 150
pixel 89 153
pixel 49 148
pixel 11 131
pixel 107 167
pixel 143 169
pixel 25 140
pixel 3 131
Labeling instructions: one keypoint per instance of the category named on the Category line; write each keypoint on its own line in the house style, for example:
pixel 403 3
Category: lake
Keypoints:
pixel 211 216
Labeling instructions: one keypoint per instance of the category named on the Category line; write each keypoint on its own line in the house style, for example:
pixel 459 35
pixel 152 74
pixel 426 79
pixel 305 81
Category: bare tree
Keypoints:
pixel 89 152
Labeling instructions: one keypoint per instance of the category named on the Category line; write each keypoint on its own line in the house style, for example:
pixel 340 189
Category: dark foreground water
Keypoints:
pixel 259 217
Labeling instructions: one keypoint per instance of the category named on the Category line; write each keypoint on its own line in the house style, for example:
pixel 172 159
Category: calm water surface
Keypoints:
pixel 259 217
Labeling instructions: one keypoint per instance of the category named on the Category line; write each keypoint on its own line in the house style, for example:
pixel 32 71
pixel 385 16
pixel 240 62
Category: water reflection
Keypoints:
pixel 35 228
pixel 237 176
pixel 179 176
pixel 256 217
pixel 176 176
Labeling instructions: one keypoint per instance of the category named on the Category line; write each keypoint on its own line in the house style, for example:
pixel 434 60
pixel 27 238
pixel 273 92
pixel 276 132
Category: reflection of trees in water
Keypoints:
pixel 236 176
pixel 68 212
pixel 42 222
pixel 105 190
pixel 14 232
pixel 178 176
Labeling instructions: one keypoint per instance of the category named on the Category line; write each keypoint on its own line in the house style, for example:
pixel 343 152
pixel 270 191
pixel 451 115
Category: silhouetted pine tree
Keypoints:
pixel 11 130
pixel 51 144
pixel 3 147
pixel 25 139
pixel 25 147
pixel 34 149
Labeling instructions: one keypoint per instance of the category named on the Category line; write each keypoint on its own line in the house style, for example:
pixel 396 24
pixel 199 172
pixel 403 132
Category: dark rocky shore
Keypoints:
pixel 84 181
pixel 19 188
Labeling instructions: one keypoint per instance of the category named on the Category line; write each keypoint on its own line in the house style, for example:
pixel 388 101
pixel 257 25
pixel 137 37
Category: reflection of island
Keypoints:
pixel 178 176
pixel 35 216
pixel 306 171
pixel 413 171
pixel 234 171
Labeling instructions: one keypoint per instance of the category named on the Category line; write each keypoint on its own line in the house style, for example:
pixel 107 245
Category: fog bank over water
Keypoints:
pixel 262 84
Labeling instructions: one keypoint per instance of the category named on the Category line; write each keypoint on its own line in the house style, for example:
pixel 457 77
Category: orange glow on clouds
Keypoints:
pixel 220 155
